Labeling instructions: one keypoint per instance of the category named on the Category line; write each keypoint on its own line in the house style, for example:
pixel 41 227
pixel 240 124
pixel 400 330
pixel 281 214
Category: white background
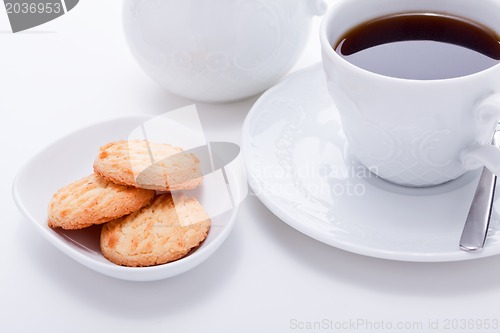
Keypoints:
pixel 76 71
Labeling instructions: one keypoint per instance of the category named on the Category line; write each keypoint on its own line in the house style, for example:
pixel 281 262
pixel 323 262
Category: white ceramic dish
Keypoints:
pixel 299 166
pixel 218 50
pixel 71 158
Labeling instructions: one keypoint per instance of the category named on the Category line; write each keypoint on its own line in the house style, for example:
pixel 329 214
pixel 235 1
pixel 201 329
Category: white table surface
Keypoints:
pixel 76 71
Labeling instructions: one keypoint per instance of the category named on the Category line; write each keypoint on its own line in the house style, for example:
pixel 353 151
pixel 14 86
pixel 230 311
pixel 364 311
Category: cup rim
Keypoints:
pixel 334 56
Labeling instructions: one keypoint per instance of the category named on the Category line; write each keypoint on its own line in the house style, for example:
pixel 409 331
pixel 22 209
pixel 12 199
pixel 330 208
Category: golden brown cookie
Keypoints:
pixel 94 200
pixel 159 233
pixel 153 166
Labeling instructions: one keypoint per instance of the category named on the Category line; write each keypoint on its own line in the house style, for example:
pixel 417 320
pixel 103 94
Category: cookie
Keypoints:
pixel 94 200
pixel 153 166
pixel 159 233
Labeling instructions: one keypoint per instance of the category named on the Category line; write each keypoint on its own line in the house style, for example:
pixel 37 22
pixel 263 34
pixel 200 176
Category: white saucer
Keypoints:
pixel 294 151
pixel 71 158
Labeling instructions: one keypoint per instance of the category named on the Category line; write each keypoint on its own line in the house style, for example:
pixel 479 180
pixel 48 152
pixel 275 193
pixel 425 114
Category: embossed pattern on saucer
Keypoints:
pixel 298 165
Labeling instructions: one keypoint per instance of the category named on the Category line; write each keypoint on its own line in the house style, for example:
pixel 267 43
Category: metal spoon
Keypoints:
pixel 477 223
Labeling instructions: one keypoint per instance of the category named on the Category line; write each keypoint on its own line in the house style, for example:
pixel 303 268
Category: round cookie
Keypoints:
pixel 94 200
pixel 159 233
pixel 153 166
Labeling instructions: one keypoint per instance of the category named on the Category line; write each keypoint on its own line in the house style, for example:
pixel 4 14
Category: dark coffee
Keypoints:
pixel 421 46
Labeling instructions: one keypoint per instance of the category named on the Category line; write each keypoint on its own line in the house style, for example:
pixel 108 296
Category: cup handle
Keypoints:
pixel 487 111
pixel 488 156
pixel 316 7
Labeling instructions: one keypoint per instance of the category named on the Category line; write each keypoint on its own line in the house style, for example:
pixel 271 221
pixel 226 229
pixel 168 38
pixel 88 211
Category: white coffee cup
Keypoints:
pixel 414 132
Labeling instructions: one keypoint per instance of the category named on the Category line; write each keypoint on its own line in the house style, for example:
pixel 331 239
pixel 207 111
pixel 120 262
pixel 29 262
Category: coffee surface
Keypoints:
pixel 423 46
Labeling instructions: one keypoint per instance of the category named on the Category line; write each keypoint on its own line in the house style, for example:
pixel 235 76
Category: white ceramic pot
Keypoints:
pixel 218 50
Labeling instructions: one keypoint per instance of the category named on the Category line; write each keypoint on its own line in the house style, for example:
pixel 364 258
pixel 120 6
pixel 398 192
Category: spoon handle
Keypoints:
pixel 476 226
pixel 478 220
